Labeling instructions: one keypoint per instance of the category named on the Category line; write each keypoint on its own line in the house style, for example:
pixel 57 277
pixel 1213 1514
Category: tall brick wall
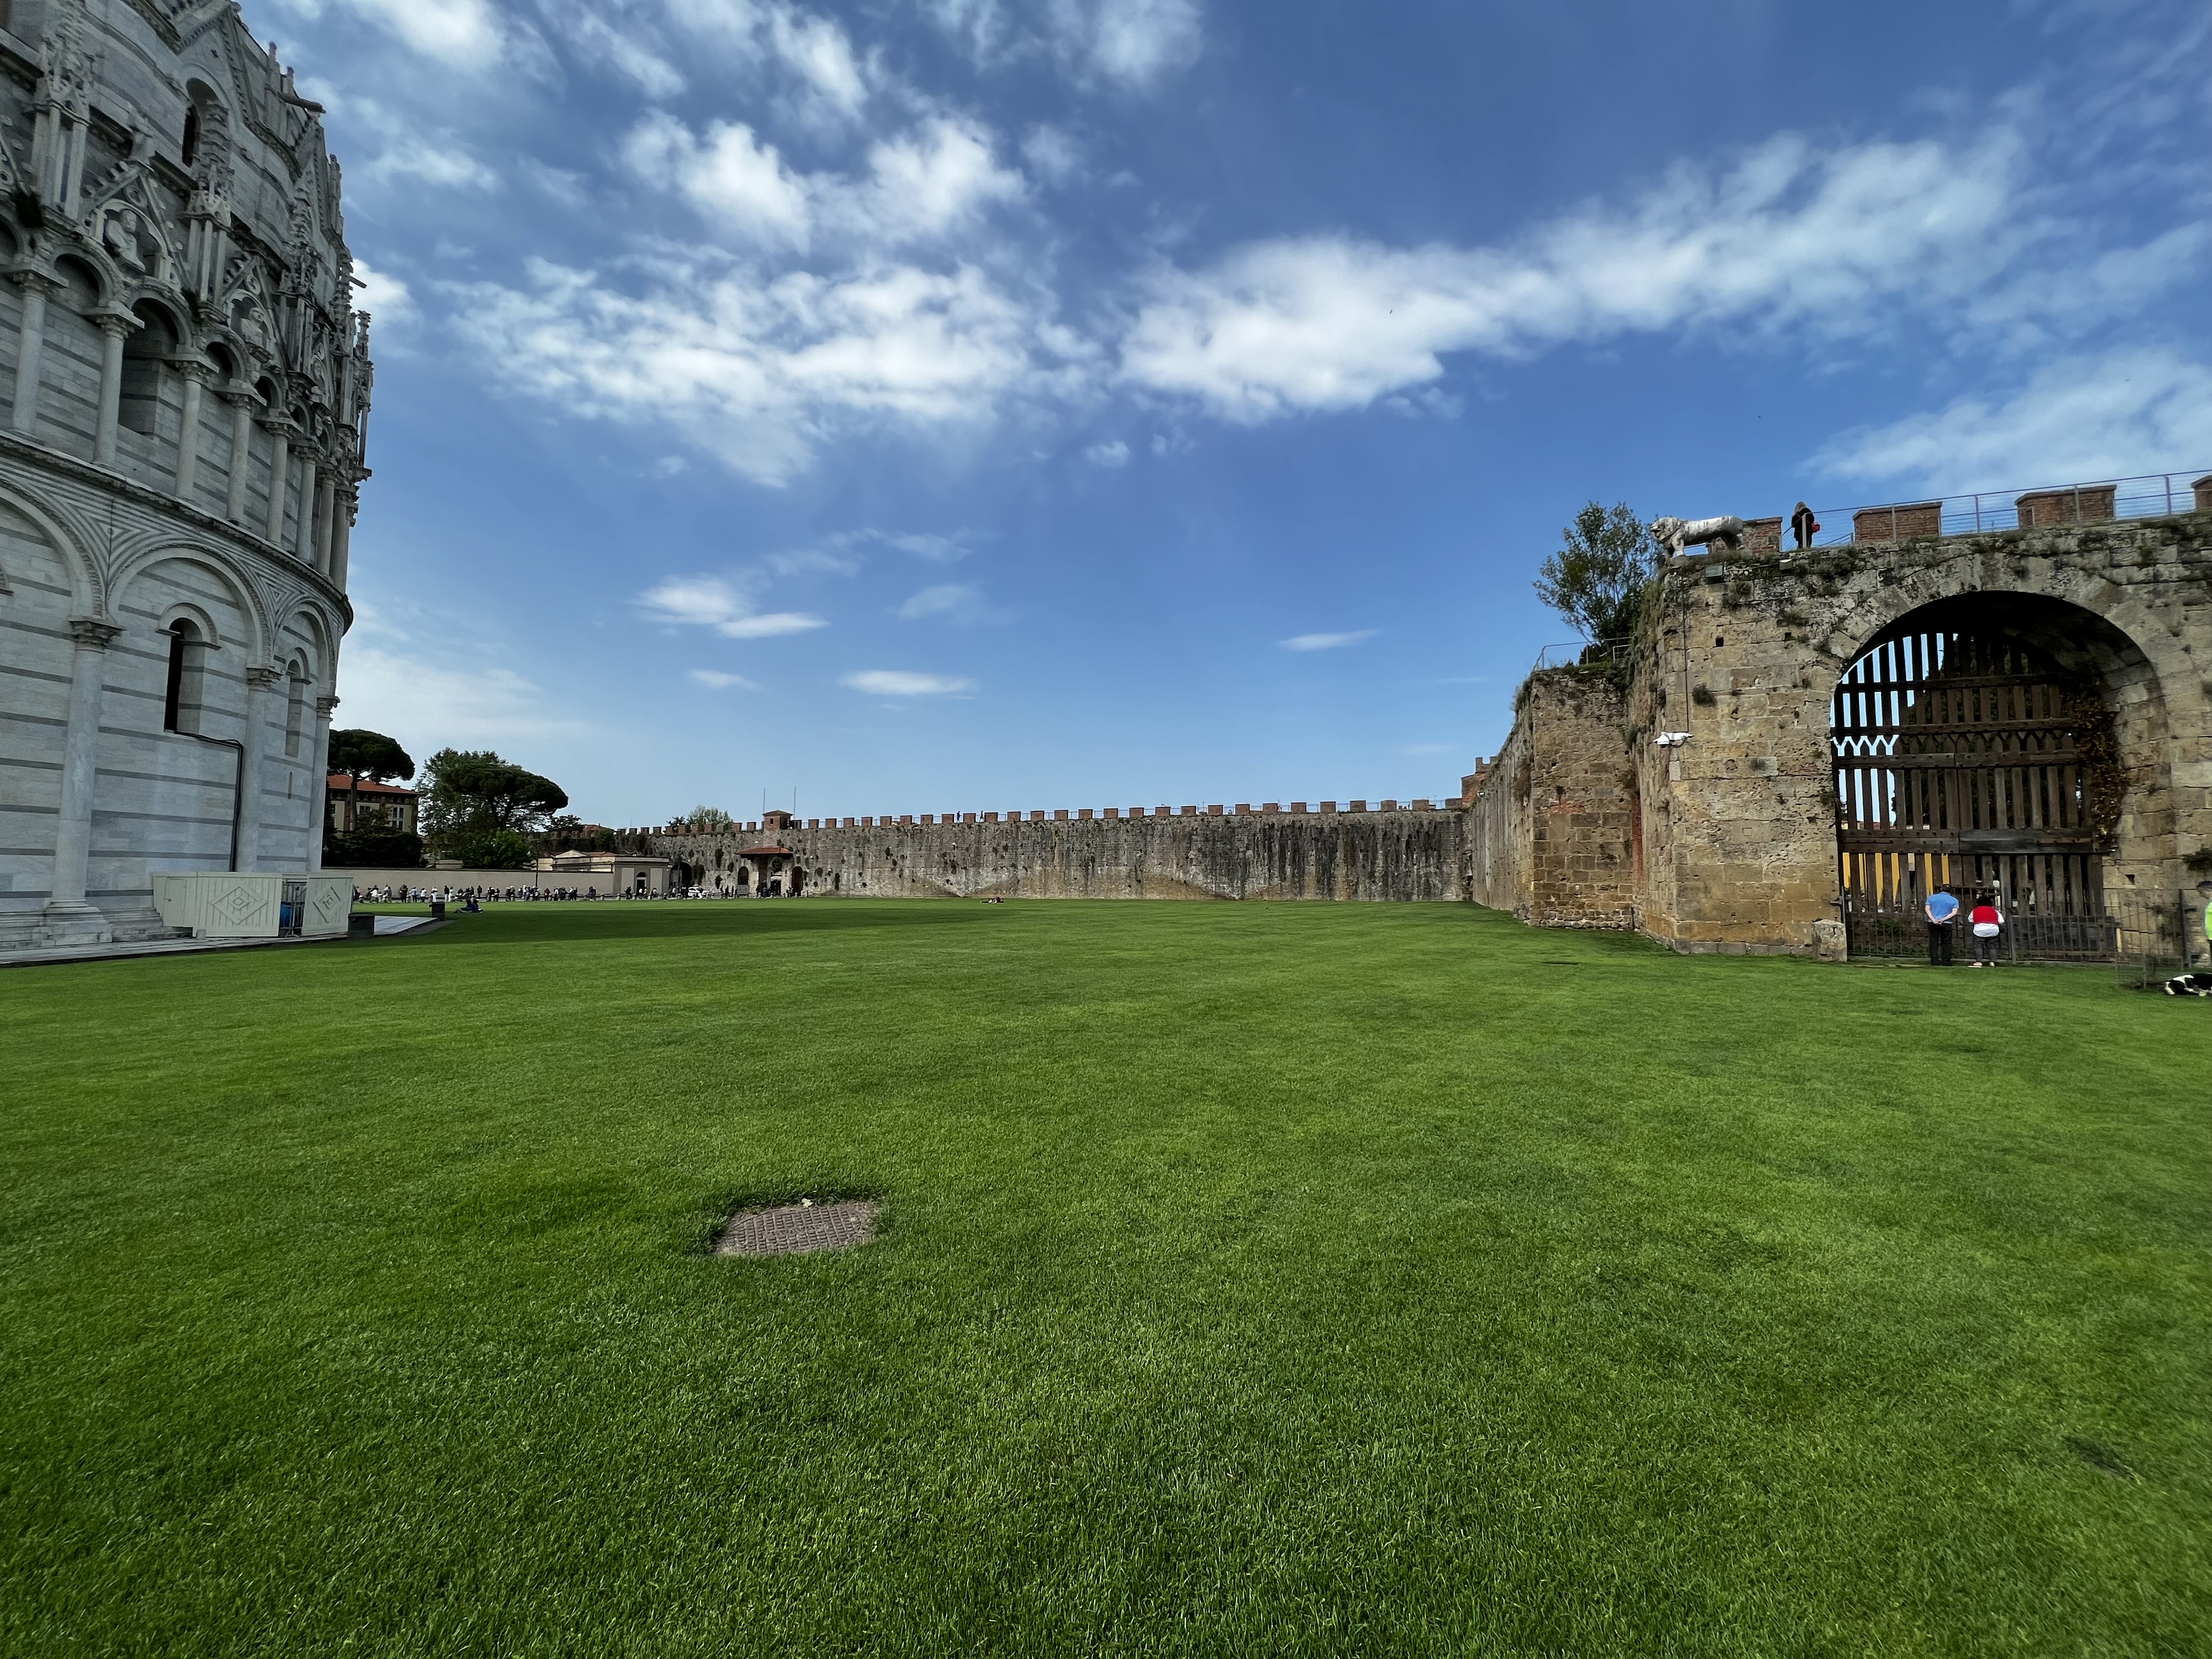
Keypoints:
pixel 1398 855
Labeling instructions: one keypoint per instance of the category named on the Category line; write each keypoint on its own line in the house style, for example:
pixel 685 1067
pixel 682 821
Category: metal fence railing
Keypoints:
pixel 2151 495
pixel 1582 653
pixel 2146 937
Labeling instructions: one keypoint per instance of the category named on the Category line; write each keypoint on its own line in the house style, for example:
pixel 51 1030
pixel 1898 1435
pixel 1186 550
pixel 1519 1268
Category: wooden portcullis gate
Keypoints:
pixel 1969 760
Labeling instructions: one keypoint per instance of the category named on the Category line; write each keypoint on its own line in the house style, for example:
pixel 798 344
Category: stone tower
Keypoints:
pixel 181 459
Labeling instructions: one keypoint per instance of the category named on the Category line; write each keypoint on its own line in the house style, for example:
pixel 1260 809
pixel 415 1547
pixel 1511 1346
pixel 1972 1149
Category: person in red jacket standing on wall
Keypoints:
pixel 1988 923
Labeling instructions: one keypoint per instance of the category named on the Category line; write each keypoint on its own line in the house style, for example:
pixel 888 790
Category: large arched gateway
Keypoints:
pixel 1977 747
pixel 1801 742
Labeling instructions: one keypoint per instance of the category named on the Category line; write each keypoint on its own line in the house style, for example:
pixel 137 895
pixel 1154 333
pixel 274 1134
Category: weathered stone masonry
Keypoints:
pixel 1730 839
pixel 1398 854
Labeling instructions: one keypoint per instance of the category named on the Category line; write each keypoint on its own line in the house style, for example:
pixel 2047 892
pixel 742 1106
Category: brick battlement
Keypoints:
pixel 1060 814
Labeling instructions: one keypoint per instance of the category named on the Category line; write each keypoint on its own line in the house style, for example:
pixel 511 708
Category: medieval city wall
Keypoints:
pixel 1406 854
pixel 1552 832
pixel 1738 657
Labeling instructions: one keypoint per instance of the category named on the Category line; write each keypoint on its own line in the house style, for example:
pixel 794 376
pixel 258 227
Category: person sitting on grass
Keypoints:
pixel 1987 922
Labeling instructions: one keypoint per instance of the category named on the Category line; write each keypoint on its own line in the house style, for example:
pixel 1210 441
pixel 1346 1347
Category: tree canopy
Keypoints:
pixel 478 806
pixel 1597 580
pixel 363 754
pixel 709 818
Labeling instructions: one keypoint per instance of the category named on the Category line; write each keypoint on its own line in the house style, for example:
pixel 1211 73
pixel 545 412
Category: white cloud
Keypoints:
pixel 814 49
pixel 429 705
pixel 2078 419
pixel 715 680
pixel 899 682
pixel 1116 453
pixel 1327 642
pixel 1053 154
pixel 723 605
pixel 1790 236
pixel 411 149
pixel 470 35
pixel 620 44
pixel 931 182
pixel 939 550
pixel 732 178
pixel 937 179
pixel 384 297
pixel 758 372
pixel 962 602
pixel 1134 43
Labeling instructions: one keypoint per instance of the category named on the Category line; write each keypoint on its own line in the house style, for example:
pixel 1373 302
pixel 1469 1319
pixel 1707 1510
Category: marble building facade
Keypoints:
pixel 187 388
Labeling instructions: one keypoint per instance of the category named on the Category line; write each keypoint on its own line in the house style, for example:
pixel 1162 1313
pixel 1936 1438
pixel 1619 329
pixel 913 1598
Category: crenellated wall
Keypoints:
pixel 1398 854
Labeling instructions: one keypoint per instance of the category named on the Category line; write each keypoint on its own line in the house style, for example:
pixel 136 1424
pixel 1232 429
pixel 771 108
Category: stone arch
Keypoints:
pixel 87 282
pixel 204 142
pixel 184 610
pixel 2090 645
pixel 257 641
pixel 150 357
pixel 322 643
pixel 88 592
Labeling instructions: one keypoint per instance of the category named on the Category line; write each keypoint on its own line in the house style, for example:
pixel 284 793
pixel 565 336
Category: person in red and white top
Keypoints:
pixel 1987 922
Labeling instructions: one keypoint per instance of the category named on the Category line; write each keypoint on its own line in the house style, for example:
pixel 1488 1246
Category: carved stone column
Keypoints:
pixel 196 376
pixel 318 782
pixel 325 504
pixel 261 683
pixel 342 511
pixel 68 919
pixel 280 468
pixel 35 288
pixel 242 450
pixel 303 532
pixel 113 325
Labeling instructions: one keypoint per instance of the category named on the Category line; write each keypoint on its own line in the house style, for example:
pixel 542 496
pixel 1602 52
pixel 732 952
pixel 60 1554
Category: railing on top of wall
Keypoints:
pixel 2151 495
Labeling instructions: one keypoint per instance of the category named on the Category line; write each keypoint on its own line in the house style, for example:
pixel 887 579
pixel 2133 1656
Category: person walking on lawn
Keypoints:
pixel 1942 910
pixel 1987 922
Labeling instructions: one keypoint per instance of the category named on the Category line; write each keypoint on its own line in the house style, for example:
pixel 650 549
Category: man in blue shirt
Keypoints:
pixel 1942 911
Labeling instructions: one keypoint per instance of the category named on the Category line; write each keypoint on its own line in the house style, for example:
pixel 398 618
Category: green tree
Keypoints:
pixel 479 807
pixel 1597 580
pixel 362 754
pixel 708 819
pixel 373 842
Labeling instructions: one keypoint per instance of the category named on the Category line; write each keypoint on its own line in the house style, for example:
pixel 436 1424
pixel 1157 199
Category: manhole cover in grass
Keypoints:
pixel 798 1228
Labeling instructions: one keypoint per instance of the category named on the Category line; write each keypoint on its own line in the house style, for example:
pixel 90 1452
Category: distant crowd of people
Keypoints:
pixel 403 894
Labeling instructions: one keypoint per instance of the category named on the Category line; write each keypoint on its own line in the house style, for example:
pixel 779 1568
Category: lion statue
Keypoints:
pixel 1675 534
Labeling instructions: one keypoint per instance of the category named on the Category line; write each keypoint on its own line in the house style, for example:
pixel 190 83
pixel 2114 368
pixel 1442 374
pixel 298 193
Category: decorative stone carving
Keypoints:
pixel 1675 534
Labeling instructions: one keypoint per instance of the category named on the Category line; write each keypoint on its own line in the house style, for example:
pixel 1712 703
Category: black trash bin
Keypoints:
pixel 437 909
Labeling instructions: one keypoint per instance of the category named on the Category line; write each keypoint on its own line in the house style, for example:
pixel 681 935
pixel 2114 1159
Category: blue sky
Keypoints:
pixel 962 405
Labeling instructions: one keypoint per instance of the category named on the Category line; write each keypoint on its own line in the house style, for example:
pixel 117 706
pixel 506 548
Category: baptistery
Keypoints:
pixel 180 461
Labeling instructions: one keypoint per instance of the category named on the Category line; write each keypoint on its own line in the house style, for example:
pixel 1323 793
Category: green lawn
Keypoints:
pixel 1257 1279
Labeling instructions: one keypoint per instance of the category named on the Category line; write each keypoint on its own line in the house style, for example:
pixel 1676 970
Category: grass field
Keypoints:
pixel 1257 1279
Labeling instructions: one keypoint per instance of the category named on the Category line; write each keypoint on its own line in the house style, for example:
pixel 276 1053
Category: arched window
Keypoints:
pixel 180 703
pixel 191 147
pixel 146 355
pixel 295 711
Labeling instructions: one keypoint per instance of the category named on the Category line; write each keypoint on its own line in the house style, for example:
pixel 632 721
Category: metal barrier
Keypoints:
pixel 2147 937
pixel 2152 495
pixel 1583 654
